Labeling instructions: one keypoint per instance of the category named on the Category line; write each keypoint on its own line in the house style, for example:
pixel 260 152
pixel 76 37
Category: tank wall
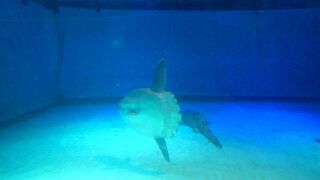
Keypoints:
pixel 224 53
pixel 28 48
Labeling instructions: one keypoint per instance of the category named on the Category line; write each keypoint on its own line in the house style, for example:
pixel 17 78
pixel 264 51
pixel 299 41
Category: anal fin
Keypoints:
pixel 197 121
pixel 163 147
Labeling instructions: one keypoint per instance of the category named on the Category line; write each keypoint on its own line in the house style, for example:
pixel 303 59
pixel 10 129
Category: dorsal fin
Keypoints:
pixel 160 77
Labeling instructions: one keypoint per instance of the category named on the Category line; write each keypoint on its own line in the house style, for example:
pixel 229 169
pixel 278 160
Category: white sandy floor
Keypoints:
pixel 271 141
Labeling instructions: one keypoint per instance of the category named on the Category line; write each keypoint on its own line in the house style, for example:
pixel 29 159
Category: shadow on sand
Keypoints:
pixel 112 162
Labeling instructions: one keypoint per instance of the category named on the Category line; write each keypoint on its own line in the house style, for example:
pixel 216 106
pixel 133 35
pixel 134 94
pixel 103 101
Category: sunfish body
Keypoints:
pixel 155 112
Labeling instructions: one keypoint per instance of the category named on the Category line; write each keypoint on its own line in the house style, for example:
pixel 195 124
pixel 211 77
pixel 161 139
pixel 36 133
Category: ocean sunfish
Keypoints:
pixel 155 112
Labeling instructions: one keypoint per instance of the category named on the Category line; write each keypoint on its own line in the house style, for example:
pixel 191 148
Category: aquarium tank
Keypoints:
pixel 160 89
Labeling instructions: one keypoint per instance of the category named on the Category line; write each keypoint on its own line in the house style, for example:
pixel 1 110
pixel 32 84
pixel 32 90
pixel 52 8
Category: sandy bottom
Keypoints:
pixel 260 141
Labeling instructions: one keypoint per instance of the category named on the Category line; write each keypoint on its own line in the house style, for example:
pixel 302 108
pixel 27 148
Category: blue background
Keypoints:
pixel 28 57
pixel 224 53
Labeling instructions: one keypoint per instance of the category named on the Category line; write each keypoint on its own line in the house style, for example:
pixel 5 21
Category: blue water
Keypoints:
pixel 251 69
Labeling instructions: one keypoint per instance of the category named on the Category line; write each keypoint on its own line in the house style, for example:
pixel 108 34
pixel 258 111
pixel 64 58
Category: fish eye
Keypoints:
pixel 132 111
